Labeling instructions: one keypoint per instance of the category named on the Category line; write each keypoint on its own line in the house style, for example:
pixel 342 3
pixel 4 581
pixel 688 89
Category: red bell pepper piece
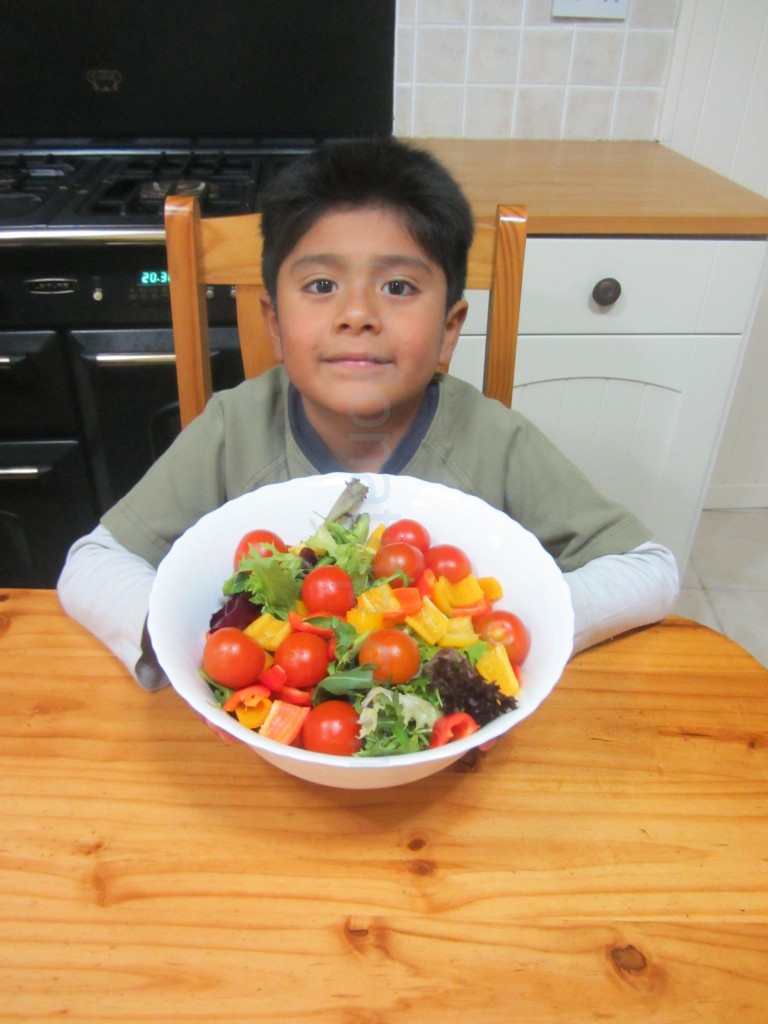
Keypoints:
pixel 426 583
pixel 293 695
pixel 483 607
pixel 273 678
pixel 409 602
pixel 307 626
pixel 452 727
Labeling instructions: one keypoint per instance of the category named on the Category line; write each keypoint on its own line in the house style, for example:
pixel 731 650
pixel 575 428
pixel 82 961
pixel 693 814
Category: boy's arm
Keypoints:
pixel 614 593
pixel 105 588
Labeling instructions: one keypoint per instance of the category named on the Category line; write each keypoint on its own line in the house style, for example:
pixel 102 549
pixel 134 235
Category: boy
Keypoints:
pixel 365 256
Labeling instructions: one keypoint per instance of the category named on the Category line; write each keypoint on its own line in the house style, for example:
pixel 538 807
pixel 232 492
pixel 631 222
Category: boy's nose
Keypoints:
pixel 358 310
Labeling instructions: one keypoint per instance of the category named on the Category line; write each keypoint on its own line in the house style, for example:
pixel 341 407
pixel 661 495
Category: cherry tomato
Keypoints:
pixel 258 539
pixel 395 655
pixel 408 530
pixel 505 628
pixel 449 561
pixel 331 728
pixel 398 556
pixel 328 589
pixel 232 659
pixel 304 659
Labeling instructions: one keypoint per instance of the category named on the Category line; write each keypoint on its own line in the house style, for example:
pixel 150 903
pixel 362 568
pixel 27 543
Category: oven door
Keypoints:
pixel 128 397
pixel 45 503
pixel 36 398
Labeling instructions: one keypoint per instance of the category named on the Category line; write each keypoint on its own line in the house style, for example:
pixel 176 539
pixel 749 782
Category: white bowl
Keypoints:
pixel 187 591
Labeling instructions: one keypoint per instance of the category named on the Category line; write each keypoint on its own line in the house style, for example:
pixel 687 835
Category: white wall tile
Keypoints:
pixel 405 12
pixel 404 40
pixel 636 114
pixel 537 12
pixel 488 111
pixel 497 12
pixel 588 113
pixel 539 112
pixel 545 56
pixel 653 13
pixel 596 56
pixel 442 12
pixel 517 46
pixel 493 55
pixel 646 58
pixel 437 111
pixel 440 54
pixel 404 110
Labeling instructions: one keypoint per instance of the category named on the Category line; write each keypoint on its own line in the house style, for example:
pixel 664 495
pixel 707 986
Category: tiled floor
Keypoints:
pixel 725 584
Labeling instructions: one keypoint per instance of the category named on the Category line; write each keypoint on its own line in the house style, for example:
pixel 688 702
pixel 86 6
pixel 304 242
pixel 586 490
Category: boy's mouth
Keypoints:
pixel 357 360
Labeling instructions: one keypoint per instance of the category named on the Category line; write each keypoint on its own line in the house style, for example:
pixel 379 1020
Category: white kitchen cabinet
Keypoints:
pixel 635 393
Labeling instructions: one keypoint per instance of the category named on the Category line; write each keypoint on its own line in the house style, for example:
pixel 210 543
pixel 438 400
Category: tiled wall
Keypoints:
pixel 508 69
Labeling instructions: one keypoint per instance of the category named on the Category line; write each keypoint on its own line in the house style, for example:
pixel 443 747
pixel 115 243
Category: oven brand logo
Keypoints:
pixel 104 79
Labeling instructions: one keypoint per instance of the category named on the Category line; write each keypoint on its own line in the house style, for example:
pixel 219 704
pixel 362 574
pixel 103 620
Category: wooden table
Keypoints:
pixel 608 860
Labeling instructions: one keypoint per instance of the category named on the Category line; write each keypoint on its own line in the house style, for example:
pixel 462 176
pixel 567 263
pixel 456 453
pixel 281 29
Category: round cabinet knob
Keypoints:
pixel 606 292
pixel 98 294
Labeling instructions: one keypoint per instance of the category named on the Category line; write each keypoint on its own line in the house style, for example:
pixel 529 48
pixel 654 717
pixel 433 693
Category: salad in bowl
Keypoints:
pixel 360 632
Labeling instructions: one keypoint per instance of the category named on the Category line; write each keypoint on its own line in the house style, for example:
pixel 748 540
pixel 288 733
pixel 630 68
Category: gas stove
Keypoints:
pixel 61 195
pixel 108 107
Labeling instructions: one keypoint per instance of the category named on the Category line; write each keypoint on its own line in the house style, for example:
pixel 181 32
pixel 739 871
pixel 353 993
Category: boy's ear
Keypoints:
pixel 454 321
pixel 269 315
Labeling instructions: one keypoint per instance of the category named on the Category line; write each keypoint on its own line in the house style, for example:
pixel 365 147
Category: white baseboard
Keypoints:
pixel 736 496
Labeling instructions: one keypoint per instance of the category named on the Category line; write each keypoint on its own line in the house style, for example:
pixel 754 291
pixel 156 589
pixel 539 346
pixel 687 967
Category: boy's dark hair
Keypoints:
pixel 369 173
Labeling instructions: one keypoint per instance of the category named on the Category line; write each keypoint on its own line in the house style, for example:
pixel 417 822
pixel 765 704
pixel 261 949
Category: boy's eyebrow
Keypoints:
pixel 393 261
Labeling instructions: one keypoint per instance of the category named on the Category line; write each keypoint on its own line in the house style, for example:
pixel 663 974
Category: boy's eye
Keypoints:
pixel 323 286
pixel 399 287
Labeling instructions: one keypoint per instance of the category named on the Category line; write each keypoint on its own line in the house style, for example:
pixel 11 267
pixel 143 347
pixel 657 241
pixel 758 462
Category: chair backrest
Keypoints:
pixel 205 251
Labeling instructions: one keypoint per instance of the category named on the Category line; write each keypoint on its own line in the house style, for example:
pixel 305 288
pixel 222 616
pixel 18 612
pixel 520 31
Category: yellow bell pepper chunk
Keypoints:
pixel 460 633
pixel 268 631
pixel 374 540
pixel 430 623
pixel 465 593
pixel 379 599
pixel 491 588
pixel 364 621
pixel 495 667
pixel 253 715
pixel 441 595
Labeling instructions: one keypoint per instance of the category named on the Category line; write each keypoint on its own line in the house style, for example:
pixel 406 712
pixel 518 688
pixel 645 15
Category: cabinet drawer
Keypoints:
pixel 675 286
pixel 668 286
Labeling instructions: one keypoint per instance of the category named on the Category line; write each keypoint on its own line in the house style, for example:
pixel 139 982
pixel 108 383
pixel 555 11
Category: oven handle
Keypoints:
pixel 132 358
pixel 8 362
pixel 23 472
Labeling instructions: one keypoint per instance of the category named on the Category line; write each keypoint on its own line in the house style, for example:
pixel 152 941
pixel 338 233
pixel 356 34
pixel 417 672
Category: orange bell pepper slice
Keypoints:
pixel 284 721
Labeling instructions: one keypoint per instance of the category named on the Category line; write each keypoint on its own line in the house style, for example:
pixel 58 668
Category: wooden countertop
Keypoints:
pixel 606 860
pixel 601 188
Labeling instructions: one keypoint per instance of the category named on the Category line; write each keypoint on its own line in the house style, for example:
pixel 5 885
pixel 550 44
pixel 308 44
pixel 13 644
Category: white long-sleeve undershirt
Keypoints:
pixel 105 588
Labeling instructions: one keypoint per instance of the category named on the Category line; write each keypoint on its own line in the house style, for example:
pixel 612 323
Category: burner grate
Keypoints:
pixel 137 185
pixel 31 186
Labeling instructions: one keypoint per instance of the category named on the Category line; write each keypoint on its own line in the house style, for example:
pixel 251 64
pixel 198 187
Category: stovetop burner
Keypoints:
pixel 115 194
pixel 32 187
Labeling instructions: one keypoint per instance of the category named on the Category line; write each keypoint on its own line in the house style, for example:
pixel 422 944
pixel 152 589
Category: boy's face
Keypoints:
pixel 361 322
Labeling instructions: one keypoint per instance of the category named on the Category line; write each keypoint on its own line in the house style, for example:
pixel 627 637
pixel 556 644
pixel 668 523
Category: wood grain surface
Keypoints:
pixel 601 188
pixel 607 860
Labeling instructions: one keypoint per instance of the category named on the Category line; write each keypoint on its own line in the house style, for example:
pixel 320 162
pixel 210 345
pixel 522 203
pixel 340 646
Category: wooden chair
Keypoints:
pixel 205 251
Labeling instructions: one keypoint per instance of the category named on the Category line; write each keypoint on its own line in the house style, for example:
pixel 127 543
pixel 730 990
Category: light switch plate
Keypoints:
pixel 609 10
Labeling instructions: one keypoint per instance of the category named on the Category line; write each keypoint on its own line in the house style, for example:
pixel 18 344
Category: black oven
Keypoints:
pixel 113 105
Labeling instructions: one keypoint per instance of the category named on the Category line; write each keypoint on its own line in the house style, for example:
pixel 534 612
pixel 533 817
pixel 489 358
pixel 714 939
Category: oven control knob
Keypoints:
pixel 98 294
pixel 233 292
pixel 209 293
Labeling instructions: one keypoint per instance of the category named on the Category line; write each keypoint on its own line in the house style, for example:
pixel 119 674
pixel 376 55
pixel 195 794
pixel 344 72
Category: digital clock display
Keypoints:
pixel 147 278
